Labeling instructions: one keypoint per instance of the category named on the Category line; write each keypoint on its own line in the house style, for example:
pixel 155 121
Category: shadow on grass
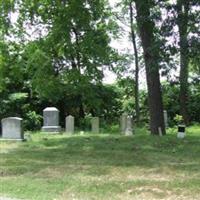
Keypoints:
pixel 95 151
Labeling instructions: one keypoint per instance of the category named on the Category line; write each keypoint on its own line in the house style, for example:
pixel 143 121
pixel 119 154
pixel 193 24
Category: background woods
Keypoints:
pixel 56 53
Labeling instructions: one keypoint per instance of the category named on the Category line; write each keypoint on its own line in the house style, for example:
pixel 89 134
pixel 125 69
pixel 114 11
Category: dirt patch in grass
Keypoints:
pixel 61 171
pixel 155 193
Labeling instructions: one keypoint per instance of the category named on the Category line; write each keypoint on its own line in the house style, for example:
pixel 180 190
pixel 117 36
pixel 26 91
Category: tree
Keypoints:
pixel 133 36
pixel 182 22
pixel 151 57
pixel 184 15
pixel 72 52
pixel 188 23
pixel 126 16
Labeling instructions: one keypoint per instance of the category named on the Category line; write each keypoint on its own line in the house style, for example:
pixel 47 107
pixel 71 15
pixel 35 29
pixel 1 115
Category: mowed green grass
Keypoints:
pixel 84 167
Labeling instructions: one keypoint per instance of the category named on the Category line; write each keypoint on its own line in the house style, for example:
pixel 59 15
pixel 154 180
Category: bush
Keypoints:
pixel 32 121
pixel 178 119
pixel 85 123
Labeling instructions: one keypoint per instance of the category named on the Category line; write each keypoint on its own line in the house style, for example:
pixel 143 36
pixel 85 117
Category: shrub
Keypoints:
pixel 32 121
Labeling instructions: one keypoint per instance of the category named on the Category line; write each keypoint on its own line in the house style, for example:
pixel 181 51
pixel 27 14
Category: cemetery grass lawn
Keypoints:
pixel 139 167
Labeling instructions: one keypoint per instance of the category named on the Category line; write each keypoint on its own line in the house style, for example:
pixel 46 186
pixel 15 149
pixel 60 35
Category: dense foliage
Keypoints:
pixel 54 53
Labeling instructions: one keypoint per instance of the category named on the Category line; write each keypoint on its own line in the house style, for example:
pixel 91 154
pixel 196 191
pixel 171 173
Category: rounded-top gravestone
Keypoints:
pixel 69 124
pixel 129 126
pixel 12 128
pixel 51 120
pixel 165 118
pixel 95 124
pixel 123 122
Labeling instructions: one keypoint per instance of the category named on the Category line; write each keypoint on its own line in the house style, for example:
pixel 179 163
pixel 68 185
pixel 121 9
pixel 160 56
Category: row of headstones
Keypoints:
pixel 127 126
pixel 51 122
pixel 12 126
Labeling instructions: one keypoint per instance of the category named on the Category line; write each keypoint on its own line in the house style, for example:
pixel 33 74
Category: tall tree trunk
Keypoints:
pixel 146 28
pixel 81 109
pixel 182 10
pixel 62 113
pixel 133 36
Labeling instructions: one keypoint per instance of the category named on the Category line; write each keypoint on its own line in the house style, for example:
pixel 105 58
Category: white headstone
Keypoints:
pixel 95 124
pixel 181 131
pixel 69 124
pixel 180 135
pixel 123 122
pixel 165 118
pixel 12 128
pixel 129 126
pixel 51 120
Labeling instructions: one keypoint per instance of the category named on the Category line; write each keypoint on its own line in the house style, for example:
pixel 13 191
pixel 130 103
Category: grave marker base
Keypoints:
pixel 51 129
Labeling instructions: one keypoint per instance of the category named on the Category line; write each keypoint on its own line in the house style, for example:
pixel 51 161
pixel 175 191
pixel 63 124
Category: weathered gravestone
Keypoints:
pixel 51 120
pixel 181 131
pixel 12 128
pixel 69 124
pixel 95 124
pixel 129 126
pixel 123 122
pixel 165 118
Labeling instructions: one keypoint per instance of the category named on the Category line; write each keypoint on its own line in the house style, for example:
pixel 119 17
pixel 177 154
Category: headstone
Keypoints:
pixel 12 128
pixel 165 118
pixel 181 131
pixel 69 124
pixel 123 122
pixel 51 120
pixel 160 131
pixel 95 124
pixel 129 126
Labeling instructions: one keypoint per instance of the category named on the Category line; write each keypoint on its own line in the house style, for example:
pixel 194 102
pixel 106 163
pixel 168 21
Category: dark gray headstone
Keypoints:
pixel 51 120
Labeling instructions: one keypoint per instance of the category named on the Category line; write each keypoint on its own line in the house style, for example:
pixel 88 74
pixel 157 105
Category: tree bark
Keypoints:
pixel 133 36
pixel 146 28
pixel 182 10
